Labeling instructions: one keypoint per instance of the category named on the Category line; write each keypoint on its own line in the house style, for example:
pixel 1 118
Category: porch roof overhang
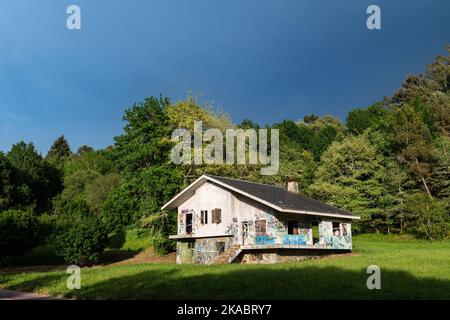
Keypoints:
pixel 193 236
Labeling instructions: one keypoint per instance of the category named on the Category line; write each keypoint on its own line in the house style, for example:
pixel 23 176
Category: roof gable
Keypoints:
pixel 273 196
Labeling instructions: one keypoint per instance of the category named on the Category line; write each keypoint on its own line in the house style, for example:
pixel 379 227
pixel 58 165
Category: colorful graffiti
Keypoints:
pixel 182 220
pixel 299 239
pixel 264 240
pixel 334 241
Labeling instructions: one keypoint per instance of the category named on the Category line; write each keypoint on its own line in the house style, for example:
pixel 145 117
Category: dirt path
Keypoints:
pixel 149 256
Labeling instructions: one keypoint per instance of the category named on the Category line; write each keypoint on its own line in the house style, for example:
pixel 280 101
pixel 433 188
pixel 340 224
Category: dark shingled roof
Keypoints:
pixel 281 197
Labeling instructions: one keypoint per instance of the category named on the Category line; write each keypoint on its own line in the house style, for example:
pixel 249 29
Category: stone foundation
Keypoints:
pixel 202 250
pixel 282 255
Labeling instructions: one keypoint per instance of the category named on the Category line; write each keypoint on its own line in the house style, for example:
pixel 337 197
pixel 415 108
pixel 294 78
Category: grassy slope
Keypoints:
pixel 409 269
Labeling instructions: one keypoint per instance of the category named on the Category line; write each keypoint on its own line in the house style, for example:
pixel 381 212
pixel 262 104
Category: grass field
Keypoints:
pixel 410 269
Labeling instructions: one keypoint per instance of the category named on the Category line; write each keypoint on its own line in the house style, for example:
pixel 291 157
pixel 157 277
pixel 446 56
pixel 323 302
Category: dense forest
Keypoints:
pixel 388 163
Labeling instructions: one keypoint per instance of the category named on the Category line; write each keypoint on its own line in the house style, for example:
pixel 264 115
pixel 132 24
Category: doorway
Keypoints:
pixel 244 232
pixel 188 223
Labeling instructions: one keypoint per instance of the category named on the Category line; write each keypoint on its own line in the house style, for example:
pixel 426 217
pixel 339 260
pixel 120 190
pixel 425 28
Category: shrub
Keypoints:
pixel 163 245
pixel 429 217
pixel 19 233
pixel 83 242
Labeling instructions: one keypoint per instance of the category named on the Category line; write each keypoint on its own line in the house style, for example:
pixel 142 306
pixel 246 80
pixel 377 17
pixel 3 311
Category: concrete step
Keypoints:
pixel 225 257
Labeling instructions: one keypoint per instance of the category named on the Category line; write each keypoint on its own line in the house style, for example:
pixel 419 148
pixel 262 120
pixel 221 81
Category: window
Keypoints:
pixel 220 246
pixel 344 229
pixel 204 216
pixel 216 215
pixel 260 226
pixel 336 229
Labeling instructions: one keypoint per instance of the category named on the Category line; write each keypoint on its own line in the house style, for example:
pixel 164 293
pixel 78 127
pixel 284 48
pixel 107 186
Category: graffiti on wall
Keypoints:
pixel 206 251
pixel 233 228
pixel 334 241
pixel 264 240
pixel 182 220
pixel 299 239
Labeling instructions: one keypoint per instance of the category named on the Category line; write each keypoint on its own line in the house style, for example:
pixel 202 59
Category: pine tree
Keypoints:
pixel 60 149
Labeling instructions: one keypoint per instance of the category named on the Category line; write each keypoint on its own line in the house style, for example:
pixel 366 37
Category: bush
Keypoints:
pixel 163 245
pixel 83 242
pixel 429 217
pixel 19 233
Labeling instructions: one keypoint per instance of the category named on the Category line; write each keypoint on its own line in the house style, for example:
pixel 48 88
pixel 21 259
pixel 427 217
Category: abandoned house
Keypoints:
pixel 223 220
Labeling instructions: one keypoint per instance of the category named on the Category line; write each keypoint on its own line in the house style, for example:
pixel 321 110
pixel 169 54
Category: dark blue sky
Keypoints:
pixel 266 60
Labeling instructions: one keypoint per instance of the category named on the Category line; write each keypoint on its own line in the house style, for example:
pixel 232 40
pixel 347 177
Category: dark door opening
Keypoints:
pixel 293 227
pixel 188 223
pixel 244 232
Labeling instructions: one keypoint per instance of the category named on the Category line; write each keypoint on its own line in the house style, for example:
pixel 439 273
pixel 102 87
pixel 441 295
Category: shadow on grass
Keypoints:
pixel 113 256
pixel 245 282
pixel 39 282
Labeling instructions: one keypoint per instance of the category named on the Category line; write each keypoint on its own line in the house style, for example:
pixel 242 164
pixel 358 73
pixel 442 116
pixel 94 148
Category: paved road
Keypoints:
pixel 18 295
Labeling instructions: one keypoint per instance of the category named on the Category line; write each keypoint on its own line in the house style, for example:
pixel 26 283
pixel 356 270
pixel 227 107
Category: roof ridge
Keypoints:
pixel 264 184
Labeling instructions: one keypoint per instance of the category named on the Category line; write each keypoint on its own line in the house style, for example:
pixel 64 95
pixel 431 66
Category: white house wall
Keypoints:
pixel 235 209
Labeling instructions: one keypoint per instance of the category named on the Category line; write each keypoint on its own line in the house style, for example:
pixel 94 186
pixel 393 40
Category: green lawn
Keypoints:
pixel 409 269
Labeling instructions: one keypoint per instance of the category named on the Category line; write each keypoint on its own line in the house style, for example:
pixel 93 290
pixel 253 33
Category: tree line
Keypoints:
pixel 388 163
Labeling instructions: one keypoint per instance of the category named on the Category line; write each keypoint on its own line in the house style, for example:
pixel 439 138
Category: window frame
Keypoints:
pixel 204 217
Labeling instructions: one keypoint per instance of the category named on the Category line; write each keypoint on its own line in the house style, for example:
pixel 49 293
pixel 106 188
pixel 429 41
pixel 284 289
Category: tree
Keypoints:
pixel 82 243
pixel 7 187
pixel 310 118
pixel 359 120
pixel 350 176
pixel 440 175
pixel 146 138
pixel 429 217
pixel 84 149
pixel 413 143
pixel 18 233
pixel 29 176
pixel 60 149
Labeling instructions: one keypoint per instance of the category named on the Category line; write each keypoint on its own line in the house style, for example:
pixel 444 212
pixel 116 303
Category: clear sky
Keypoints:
pixel 265 60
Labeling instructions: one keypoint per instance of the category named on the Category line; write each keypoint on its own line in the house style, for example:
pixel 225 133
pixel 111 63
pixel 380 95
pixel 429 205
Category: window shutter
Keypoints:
pixel 260 226
pixel 216 215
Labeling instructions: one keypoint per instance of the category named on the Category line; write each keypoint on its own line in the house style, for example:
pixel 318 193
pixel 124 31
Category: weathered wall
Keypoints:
pixel 280 255
pixel 329 240
pixel 237 208
pixel 185 253
pixel 202 251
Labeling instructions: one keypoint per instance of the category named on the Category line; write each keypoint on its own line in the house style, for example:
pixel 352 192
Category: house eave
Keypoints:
pixel 204 178
pixel 193 236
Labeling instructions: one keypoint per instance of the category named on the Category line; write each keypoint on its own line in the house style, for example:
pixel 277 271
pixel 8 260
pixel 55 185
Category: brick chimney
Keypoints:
pixel 292 185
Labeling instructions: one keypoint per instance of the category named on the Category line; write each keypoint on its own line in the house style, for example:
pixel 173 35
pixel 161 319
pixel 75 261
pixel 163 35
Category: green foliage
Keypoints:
pixel 35 180
pixel 7 187
pixel 359 120
pixel 378 166
pixel 60 149
pixel 350 177
pixel 19 233
pixel 429 217
pixel 82 243
pixel 146 138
